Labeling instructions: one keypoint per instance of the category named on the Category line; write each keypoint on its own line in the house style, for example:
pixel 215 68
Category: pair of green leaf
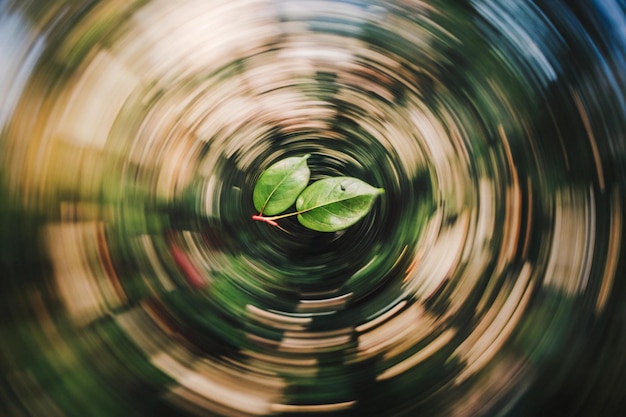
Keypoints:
pixel 327 205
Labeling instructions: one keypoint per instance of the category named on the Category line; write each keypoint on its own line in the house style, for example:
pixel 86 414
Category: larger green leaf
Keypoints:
pixel 335 203
pixel 280 184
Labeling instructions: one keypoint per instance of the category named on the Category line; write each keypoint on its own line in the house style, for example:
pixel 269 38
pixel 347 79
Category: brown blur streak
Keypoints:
pixel 107 263
pixel 613 251
pixel 512 220
pixel 529 218
pixel 592 139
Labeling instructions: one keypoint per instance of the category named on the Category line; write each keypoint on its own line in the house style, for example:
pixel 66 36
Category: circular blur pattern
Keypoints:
pixel 488 279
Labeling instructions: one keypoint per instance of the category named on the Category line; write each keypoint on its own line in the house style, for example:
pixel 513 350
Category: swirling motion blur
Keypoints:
pixel 487 280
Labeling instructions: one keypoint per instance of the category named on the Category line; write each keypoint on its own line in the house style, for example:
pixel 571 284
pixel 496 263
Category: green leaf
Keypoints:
pixel 335 203
pixel 280 184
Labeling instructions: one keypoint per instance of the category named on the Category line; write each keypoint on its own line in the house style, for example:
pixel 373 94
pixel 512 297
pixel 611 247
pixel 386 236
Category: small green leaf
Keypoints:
pixel 280 184
pixel 335 203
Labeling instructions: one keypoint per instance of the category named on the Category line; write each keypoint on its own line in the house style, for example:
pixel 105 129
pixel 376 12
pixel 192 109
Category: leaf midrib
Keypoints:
pixel 333 202
pixel 269 197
